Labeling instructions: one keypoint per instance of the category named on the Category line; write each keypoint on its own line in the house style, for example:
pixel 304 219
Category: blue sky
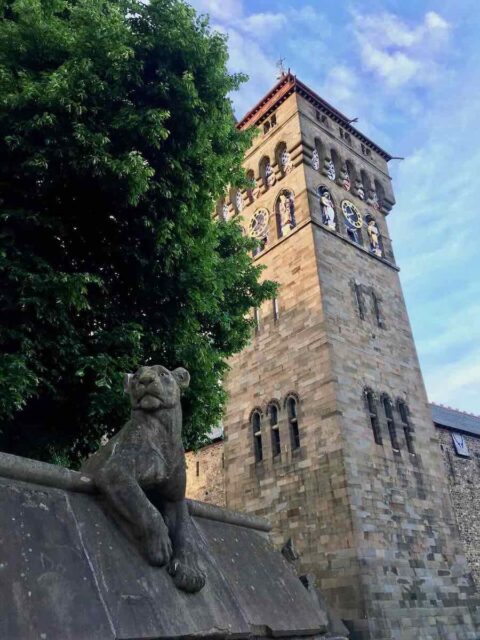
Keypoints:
pixel 410 71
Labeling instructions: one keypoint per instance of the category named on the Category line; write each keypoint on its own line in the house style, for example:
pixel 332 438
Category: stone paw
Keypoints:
pixel 157 546
pixel 186 573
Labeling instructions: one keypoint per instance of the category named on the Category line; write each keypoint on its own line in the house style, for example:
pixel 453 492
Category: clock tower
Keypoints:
pixel 328 433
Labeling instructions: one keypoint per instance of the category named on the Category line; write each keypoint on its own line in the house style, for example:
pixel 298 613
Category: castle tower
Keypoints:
pixel 328 430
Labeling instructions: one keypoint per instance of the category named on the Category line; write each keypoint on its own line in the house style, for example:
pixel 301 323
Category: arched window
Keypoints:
pixel 407 428
pixel 380 193
pixel 337 162
pixel 256 423
pixel 366 184
pixel 327 208
pixel 293 422
pixel 374 237
pixel 283 158
pixel 352 174
pixel 371 403
pixel 266 172
pixel 274 428
pixel 392 430
pixel 285 212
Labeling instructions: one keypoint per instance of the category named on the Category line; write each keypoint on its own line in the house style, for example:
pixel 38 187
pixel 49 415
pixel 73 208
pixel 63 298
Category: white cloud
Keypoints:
pixel 400 54
pixel 261 25
pixel 456 383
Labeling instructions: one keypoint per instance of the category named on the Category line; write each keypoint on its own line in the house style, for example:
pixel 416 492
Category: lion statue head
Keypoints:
pixel 155 387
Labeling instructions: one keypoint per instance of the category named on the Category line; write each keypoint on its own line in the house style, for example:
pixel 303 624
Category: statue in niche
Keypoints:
pixel 375 202
pixel 315 160
pixel 373 236
pixel 286 212
pixel 147 456
pixel 327 208
pixel 285 161
pixel 269 175
pixel 224 211
pixel 329 169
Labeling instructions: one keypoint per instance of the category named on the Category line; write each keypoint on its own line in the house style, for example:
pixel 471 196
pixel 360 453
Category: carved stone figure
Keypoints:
pixel 286 212
pixel 359 190
pixel 374 237
pixel 327 209
pixel 147 455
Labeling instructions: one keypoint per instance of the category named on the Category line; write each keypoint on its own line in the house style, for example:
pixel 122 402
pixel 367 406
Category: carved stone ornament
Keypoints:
pixel 315 160
pixel 329 169
pixel 259 224
pixel 269 175
pixel 147 455
pixel 285 161
pixel 359 190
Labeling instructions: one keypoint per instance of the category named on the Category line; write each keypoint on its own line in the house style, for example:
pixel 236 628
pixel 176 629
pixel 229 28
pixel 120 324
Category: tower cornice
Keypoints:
pixel 286 86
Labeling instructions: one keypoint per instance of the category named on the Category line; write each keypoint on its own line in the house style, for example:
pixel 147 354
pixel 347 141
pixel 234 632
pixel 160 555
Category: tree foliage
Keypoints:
pixel 118 136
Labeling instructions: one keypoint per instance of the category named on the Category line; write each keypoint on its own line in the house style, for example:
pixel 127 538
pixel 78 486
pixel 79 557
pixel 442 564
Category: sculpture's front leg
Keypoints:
pixel 125 495
pixel 184 566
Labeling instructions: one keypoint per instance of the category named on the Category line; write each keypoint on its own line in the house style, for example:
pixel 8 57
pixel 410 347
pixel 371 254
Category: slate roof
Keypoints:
pixel 455 420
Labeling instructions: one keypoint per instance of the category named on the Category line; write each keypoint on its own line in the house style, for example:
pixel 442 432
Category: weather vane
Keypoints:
pixel 281 69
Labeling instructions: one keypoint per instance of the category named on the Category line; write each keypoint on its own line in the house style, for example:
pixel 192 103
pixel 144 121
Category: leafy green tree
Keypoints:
pixel 118 137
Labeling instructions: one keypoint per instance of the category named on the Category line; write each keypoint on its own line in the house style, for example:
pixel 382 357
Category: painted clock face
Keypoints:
pixel 352 214
pixel 259 224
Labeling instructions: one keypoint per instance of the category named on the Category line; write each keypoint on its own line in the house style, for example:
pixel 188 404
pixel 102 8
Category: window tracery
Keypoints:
pixel 285 212
pixel 238 201
pixel 285 161
pixel 407 428
pixel 258 228
pixel 327 208
pixel 315 160
pixel 266 171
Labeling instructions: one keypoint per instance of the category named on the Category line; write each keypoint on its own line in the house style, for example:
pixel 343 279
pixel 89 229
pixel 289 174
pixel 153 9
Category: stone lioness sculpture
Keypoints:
pixel 147 455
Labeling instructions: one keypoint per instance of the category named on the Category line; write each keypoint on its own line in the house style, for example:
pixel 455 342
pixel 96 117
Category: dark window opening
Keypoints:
pixel 257 436
pixel 407 429
pixel 376 310
pixel 359 299
pixel 392 430
pixel 372 411
pixel 276 448
pixel 198 468
pixel 293 423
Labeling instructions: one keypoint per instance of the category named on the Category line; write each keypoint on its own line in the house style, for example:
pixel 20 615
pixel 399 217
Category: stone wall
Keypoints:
pixel 205 474
pixel 464 482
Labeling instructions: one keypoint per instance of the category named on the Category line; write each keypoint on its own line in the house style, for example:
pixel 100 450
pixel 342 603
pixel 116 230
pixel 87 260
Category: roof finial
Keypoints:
pixel 281 69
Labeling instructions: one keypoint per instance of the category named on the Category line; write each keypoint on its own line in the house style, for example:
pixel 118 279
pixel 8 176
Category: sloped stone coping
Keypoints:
pixel 50 475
